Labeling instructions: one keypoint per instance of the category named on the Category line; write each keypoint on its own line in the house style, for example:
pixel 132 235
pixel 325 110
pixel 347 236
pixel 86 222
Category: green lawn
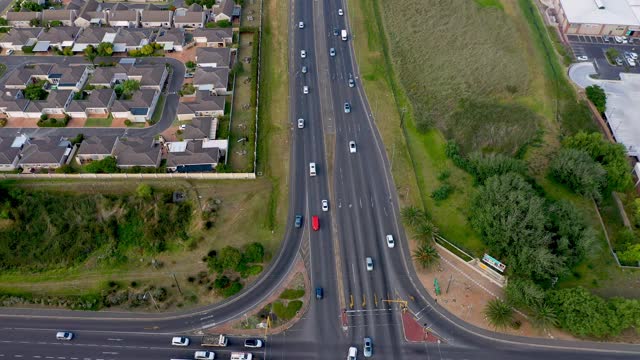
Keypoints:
pixel 157 114
pixel 99 122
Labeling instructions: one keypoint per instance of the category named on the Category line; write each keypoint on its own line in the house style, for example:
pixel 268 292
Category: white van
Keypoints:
pixel 241 356
pixel 312 169
pixel 343 35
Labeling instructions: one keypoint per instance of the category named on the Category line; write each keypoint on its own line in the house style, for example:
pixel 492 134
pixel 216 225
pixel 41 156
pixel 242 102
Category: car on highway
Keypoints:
pixel 319 293
pixel 253 343
pixel 312 169
pixel 204 355
pixel 304 69
pixel 325 205
pixel 64 335
pixel 298 221
pixel 315 223
pixel 336 32
pixel 353 353
pixel 390 242
pixel 305 89
pixel 352 147
pixel 301 25
pixel 332 52
pixel 367 349
pixel 303 54
pixel 340 12
pixel 369 262
pixel 347 108
pixel 180 341
pixel 582 58
pixel 300 123
pixel 352 83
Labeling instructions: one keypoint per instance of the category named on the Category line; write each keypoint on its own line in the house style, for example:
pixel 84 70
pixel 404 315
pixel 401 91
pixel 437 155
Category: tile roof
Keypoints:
pixel 141 99
pixel 123 15
pixel 98 98
pixel 171 35
pixel 59 34
pixel 218 77
pixel 225 8
pixel 67 75
pixel 207 55
pixel 156 15
pixel 192 154
pixel 136 151
pixel 204 102
pixel 8 152
pixel 97 145
pixel 45 151
pixel 56 100
pixel 22 75
pixel 22 15
pixel 189 17
pixel 59 15
pixel 200 128
pixel 11 102
pixel 20 36
pixel 94 35
pixel 132 37
pixel 214 35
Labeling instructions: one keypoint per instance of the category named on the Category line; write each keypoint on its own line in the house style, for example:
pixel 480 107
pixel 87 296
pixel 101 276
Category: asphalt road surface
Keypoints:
pixel 363 209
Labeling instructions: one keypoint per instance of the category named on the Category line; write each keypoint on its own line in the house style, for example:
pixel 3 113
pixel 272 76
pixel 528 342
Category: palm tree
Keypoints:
pixel 426 255
pixel 498 313
pixel 426 229
pixel 413 215
pixel 544 316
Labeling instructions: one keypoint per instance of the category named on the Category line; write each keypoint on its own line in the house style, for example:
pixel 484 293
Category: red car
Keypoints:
pixel 315 223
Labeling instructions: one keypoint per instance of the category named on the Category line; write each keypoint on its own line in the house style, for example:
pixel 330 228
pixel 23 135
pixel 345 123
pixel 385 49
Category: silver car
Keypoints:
pixel 332 52
pixel 368 347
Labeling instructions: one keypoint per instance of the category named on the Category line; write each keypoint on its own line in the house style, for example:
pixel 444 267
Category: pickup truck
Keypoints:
pixel 214 340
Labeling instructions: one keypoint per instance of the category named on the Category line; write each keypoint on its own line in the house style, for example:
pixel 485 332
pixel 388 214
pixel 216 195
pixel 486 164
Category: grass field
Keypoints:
pixel 99 122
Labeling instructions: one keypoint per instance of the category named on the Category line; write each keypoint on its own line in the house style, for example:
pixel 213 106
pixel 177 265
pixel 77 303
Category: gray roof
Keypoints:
pixel 60 15
pixel 22 75
pixel 132 37
pixel 214 35
pixel 194 154
pixel 8 153
pixel 225 8
pixel 59 34
pixel 67 75
pixel 171 35
pixel 123 15
pixel 220 56
pixel 218 77
pixel 204 102
pixel 156 15
pixel 99 98
pixel 13 101
pixel 94 35
pixel 56 99
pixel 148 75
pixel 136 151
pixel 97 145
pixel 140 99
pixel 20 36
pixel 195 7
pixel 200 128
pixel 45 151
pixel 189 17
pixel 22 15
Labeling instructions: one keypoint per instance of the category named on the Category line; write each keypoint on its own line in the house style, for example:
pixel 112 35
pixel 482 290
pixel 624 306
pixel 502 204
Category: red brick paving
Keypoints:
pixel 414 331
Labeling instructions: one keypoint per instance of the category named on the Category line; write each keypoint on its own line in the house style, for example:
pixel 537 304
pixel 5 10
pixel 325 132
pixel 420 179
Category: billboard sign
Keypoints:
pixel 489 260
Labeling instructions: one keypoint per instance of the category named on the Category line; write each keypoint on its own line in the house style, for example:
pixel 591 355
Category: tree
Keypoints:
pixel 147 50
pixel 597 96
pixel 190 64
pixel 576 169
pixel 90 53
pixel 631 255
pixel 223 23
pixel 412 215
pixel 572 237
pixel 499 314
pixel 55 23
pixel 105 49
pixel 426 255
pixel 426 229
pixel 35 91
pixel 144 191
pixel 544 316
pixel 524 293
pixel 483 166
pixel 221 282
pixel 31 6
pixel 229 257
pixel 129 87
pixel 108 165
pixel 67 51
pixel 254 253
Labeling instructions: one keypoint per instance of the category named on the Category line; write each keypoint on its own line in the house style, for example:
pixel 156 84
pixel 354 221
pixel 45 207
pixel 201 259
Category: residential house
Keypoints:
pixel 204 104
pixel 131 39
pixel 22 19
pixel 192 18
pixel 598 17
pixel 45 152
pixel 64 16
pixel 149 76
pixel 124 18
pixel 13 104
pixel 212 79
pixel 97 104
pixel 55 105
pixel 15 39
pixel 25 75
pixel 200 128
pixel 192 156
pixel 95 148
pixel 137 152
pixel 171 39
pixel 213 57
pixel 90 13
pixel 223 11
pixel 139 108
pixel 57 38
pixel 68 77
pixel 213 37
pixel 156 19
pixel 10 149
pixel 94 36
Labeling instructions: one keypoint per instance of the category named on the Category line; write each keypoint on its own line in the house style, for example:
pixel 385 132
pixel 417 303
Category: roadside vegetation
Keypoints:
pixel 504 154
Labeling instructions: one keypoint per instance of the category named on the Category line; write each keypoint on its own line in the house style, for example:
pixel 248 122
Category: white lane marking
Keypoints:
pixel 37 356
pixel 18 356
pixel 113 339
pixel 61 357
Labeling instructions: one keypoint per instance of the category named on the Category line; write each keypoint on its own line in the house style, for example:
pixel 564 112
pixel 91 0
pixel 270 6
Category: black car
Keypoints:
pixel 298 222
pixel 336 32
pixel 319 293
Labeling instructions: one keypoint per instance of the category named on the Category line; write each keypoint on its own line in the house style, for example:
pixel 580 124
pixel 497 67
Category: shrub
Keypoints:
pixel 292 294
pixel 221 282
pixel 287 312
pixel 579 172
pixel 597 96
pixel 127 122
pixel 43 117
pixel 254 253
pixel 442 192
pixel 233 289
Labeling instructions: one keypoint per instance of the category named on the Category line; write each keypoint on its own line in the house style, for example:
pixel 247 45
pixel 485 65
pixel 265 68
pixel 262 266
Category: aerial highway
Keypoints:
pixel 358 301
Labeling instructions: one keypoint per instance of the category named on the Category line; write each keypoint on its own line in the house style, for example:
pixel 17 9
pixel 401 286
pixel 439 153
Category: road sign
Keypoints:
pixel 487 259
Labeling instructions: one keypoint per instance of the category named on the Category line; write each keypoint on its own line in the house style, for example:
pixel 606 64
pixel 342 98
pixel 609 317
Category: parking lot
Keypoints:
pixel 594 48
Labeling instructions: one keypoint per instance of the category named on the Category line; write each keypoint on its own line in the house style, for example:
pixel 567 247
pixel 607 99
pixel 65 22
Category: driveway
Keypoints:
pixel 623 106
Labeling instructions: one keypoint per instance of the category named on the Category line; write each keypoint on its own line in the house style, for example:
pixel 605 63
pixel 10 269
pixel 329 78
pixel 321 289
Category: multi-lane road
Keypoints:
pixel 363 210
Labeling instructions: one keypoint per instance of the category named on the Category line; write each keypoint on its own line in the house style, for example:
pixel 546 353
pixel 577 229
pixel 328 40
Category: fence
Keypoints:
pixel 129 176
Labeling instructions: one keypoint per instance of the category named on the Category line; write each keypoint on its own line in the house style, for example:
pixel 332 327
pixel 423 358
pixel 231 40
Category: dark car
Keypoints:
pixel 336 32
pixel 319 293
pixel 298 222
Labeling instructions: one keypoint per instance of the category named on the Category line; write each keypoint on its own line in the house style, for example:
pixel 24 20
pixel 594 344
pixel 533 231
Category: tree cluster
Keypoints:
pixel 597 96
pixel 146 50
pixel 576 169
pixel 233 259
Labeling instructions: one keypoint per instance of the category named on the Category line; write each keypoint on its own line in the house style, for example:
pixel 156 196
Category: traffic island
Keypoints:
pixel 416 332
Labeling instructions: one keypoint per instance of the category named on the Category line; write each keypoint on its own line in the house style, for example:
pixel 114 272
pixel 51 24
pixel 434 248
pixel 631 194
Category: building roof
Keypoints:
pixel 123 15
pixel 21 76
pixel 615 12
pixel 148 75
pixel 22 15
pixel 218 77
pixel 204 102
pixel 214 35
pixel 59 34
pixel 139 102
pixel 21 36
pixel 131 37
pixel 186 153
pixel 136 151
pixel 97 145
pixel 189 17
pixel 225 8
pixel 175 36
pixel 59 15
pixel 98 98
pixel 67 75
pixel 200 128
pixel 96 35
pixel 8 150
pixel 56 100
pixel 207 55
pixel 13 101
pixel 45 151
pixel 156 15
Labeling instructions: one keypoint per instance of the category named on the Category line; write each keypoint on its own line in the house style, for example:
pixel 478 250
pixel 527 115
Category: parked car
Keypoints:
pixel 347 108
pixel 300 123
pixel 353 353
pixel 367 349
pixel 64 335
pixel 606 38
pixel 204 355
pixel 618 39
pixel 10 52
pixel 619 61
pixel 253 343
pixel 180 341
pixel 582 58
pixel 332 52
pixel 298 221
pixel 630 54
pixel 630 61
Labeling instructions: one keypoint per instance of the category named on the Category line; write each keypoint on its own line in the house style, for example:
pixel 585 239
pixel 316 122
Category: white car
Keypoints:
pixel 332 52
pixel 340 12
pixel 633 55
pixel 303 54
pixel 351 82
pixel 390 242
pixel 352 147
pixel 305 89
pixel 618 39
pixel 180 341
pixel 10 52
pixel 64 335
pixel 325 205
pixel 369 262
pixel 631 61
pixel 304 70
pixel 353 353
pixel 301 25
pixel 204 355
pixel 300 123
pixel 253 343
pixel 582 58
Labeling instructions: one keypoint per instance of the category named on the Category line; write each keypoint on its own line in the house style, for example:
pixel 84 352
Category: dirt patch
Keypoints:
pixel 21 123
